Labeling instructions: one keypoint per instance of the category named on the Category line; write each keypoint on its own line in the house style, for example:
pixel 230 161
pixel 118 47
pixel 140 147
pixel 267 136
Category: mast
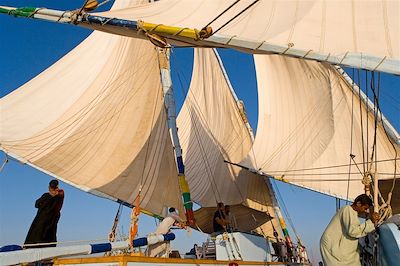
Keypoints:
pixel 240 106
pixel 169 101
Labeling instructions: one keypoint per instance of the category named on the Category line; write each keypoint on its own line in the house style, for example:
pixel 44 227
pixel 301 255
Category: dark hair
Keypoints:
pixel 171 209
pixel 227 206
pixel 220 204
pixel 53 184
pixel 364 200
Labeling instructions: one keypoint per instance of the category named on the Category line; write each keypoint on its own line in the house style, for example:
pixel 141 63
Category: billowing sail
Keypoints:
pixel 96 120
pixel 211 130
pixel 362 34
pixel 310 122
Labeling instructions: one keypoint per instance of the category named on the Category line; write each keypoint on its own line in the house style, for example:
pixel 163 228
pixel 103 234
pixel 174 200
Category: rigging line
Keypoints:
pixel 322 167
pixel 361 118
pixel 241 12
pixel 358 168
pixel 367 118
pixel 326 174
pixel 285 210
pixel 223 12
pixel 351 138
pixel 4 162
pixel 374 147
pixel 390 140
pixel 83 6
pixel 103 3
pixel 213 184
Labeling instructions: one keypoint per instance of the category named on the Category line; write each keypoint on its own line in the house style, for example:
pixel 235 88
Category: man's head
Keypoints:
pixel 53 184
pixel 220 206
pixel 362 204
pixel 227 209
pixel 172 209
pixel 53 187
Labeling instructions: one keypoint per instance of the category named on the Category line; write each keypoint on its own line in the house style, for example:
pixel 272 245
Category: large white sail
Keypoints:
pixel 362 34
pixel 96 119
pixel 211 130
pixel 309 123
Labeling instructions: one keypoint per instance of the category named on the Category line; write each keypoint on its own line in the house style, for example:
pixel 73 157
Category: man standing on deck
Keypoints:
pixel 339 242
pixel 219 222
pixel 44 226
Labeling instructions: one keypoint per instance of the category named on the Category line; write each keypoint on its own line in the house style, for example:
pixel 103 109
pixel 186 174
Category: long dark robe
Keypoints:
pixel 44 226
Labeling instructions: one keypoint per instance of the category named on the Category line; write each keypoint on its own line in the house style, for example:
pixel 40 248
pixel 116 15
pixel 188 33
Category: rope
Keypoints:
pixel 285 209
pixel 103 3
pixel 387 212
pixel 111 236
pixel 322 167
pixel 223 12
pixel 351 138
pixel 4 162
pixel 229 21
pixel 361 121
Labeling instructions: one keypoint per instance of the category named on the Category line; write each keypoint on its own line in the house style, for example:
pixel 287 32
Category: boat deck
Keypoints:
pixel 125 260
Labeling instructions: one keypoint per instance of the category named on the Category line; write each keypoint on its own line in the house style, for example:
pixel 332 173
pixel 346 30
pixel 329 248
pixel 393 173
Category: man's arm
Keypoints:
pixel 352 224
pixel 42 200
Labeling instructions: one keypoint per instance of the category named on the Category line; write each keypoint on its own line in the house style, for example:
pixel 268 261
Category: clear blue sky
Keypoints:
pixel 28 47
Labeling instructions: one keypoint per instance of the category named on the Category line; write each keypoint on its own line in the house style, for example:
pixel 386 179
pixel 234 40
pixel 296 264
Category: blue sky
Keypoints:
pixel 28 47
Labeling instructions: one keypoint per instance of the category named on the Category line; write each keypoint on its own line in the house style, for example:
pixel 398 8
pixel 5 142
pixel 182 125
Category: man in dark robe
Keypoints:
pixel 44 226
pixel 219 222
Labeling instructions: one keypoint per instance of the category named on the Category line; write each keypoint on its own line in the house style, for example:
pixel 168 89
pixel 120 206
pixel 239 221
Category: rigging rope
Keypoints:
pixel 4 162
pixel 361 121
pixel 285 209
pixel 112 234
pixel 351 139
pixel 223 12
pixel 387 212
pixel 237 15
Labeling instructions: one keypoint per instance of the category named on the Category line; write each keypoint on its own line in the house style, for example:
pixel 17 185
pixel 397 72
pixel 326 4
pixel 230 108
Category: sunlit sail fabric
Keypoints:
pixel 211 129
pixel 96 120
pixel 365 30
pixel 305 128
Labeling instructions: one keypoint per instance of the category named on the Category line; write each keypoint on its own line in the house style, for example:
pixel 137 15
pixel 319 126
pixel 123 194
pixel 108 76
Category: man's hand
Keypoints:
pixel 374 216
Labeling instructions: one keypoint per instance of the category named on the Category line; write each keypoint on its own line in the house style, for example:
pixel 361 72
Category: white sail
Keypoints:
pixel 96 119
pixel 211 130
pixel 306 128
pixel 363 34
